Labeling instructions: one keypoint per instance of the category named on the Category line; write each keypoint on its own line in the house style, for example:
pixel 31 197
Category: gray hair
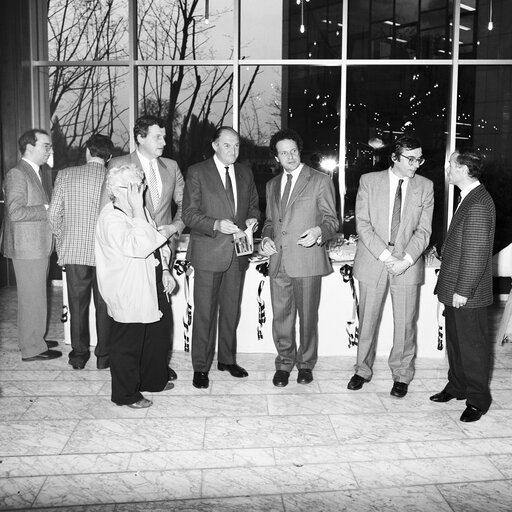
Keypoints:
pixel 121 176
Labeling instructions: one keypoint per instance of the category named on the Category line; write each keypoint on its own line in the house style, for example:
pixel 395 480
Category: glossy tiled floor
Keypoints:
pixel 244 444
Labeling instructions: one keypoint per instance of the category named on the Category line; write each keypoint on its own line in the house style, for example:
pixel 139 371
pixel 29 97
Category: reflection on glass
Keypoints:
pixel 300 97
pixel 400 29
pixel 484 123
pixel 92 30
pixel 194 101
pixel 178 30
pixel 485 29
pixel 384 103
pixel 85 100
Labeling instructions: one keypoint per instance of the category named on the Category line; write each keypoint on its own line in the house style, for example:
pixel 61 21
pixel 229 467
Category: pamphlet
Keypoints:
pixel 244 242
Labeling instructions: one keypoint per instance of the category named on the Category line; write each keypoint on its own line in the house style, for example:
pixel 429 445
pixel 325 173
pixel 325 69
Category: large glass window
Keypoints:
pixel 263 65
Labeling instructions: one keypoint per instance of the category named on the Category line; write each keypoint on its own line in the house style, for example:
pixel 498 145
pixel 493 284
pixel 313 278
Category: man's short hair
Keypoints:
pixel 218 132
pixel 100 146
pixel 286 134
pixel 143 123
pixel 29 137
pixel 473 160
pixel 404 143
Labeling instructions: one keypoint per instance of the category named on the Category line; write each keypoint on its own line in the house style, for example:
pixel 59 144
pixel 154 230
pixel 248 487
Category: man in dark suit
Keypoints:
pixel 220 199
pixel 72 215
pixel 164 191
pixel 27 239
pixel 394 222
pixel 301 216
pixel 464 286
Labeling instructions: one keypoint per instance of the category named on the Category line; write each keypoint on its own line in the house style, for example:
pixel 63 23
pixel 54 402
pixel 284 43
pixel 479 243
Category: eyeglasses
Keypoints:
pixel 47 147
pixel 412 160
pixel 292 152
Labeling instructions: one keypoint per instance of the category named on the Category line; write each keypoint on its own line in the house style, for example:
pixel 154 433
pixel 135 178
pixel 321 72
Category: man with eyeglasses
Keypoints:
pixel 27 239
pixel 394 222
pixel 301 216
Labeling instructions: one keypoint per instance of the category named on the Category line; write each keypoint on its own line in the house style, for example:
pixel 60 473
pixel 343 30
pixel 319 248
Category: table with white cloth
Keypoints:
pixel 336 309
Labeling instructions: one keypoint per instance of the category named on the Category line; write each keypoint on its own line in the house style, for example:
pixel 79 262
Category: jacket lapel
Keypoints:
pixel 148 203
pixel 302 182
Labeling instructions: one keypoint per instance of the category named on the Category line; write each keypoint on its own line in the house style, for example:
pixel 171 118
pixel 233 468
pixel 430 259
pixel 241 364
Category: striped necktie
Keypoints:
pixel 153 185
pixel 395 219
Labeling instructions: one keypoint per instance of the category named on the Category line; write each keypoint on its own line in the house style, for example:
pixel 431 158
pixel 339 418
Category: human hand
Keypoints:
pixel 268 247
pixel 168 230
pixel 135 198
pixel 227 227
pixel 309 237
pixel 168 281
pixel 252 223
pixel 458 300
pixel 398 267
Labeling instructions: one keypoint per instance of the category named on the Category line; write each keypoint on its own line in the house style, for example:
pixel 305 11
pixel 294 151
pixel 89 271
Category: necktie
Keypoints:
pixel 153 185
pixel 395 219
pixel 229 189
pixel 286 193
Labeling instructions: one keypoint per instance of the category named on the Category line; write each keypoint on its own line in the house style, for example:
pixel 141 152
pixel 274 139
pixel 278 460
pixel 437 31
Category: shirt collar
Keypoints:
pixel 295 173
pixel 468 189
pixel 32 164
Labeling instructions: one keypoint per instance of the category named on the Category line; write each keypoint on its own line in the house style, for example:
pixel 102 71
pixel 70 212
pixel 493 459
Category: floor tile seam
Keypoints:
pixel 489 457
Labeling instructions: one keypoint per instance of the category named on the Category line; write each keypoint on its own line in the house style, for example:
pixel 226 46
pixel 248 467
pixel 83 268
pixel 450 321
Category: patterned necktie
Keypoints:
pixel 153 185
pixel 286 193
pixel 395 219
pixel 229 189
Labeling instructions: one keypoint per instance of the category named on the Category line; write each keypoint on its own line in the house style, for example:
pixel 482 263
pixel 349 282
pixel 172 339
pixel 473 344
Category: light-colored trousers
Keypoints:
pixel 405 301
pixel 31 278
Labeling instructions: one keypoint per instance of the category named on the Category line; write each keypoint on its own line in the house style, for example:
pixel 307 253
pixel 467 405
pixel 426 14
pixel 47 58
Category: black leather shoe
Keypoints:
pixel 233 369
pixel 399 389
pixel 51 343
pixel 305 376
pixel 356 382
pixel 443 396
pixel 201 380
pixel 77 366
pixel 280 379
pixel 171 374
pixel 44 356
pixel 471 413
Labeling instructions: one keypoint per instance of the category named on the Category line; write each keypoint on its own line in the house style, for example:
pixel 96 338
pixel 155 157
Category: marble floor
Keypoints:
pixel 244 444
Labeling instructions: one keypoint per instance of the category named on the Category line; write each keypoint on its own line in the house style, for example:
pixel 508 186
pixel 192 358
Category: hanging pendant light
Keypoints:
pixel 207 11
pixel 490 25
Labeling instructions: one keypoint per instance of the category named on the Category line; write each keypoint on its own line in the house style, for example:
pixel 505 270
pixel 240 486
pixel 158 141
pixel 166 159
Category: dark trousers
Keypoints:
pixel 138 355
pixel 216 294
pixel 291 296
pixel 467 344
pixel 81 282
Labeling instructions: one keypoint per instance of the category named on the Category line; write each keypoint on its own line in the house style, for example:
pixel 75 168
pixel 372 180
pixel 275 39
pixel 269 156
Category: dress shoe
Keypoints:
pixel 52 344
pixel 44 356
pixel 201 380
pixel 78 366
pixel 305 376
pixel 171 374
pixel 234 369
pixel 280 379
pixel 356 382
pixel 471 413
pixel 168 386
pixel 443 396
pixel 399 389
pixel 141 404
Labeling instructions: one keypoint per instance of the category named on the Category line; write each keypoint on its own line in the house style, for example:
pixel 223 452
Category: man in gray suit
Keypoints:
pixel 393 218
pixel 301 217
pixel 464 287
pixel 27 239
pixel 164 191
pixel 220 200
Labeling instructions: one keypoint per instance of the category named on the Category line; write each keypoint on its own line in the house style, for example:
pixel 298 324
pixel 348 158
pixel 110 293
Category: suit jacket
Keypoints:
pixel 312 203
pixel 26 233
pixel 466 264
pixel 172 190
pixel 204 202
pixel 73 212
pixel 372 224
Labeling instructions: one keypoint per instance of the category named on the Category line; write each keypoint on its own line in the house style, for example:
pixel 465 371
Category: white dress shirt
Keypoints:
pixel 284 179
pixel 222 173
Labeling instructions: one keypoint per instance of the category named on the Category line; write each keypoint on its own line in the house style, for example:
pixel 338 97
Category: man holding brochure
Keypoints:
pixel 220 202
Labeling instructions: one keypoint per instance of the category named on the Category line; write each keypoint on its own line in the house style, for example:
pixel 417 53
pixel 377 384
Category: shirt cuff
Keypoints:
pixel 385 254
pixel 408 258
